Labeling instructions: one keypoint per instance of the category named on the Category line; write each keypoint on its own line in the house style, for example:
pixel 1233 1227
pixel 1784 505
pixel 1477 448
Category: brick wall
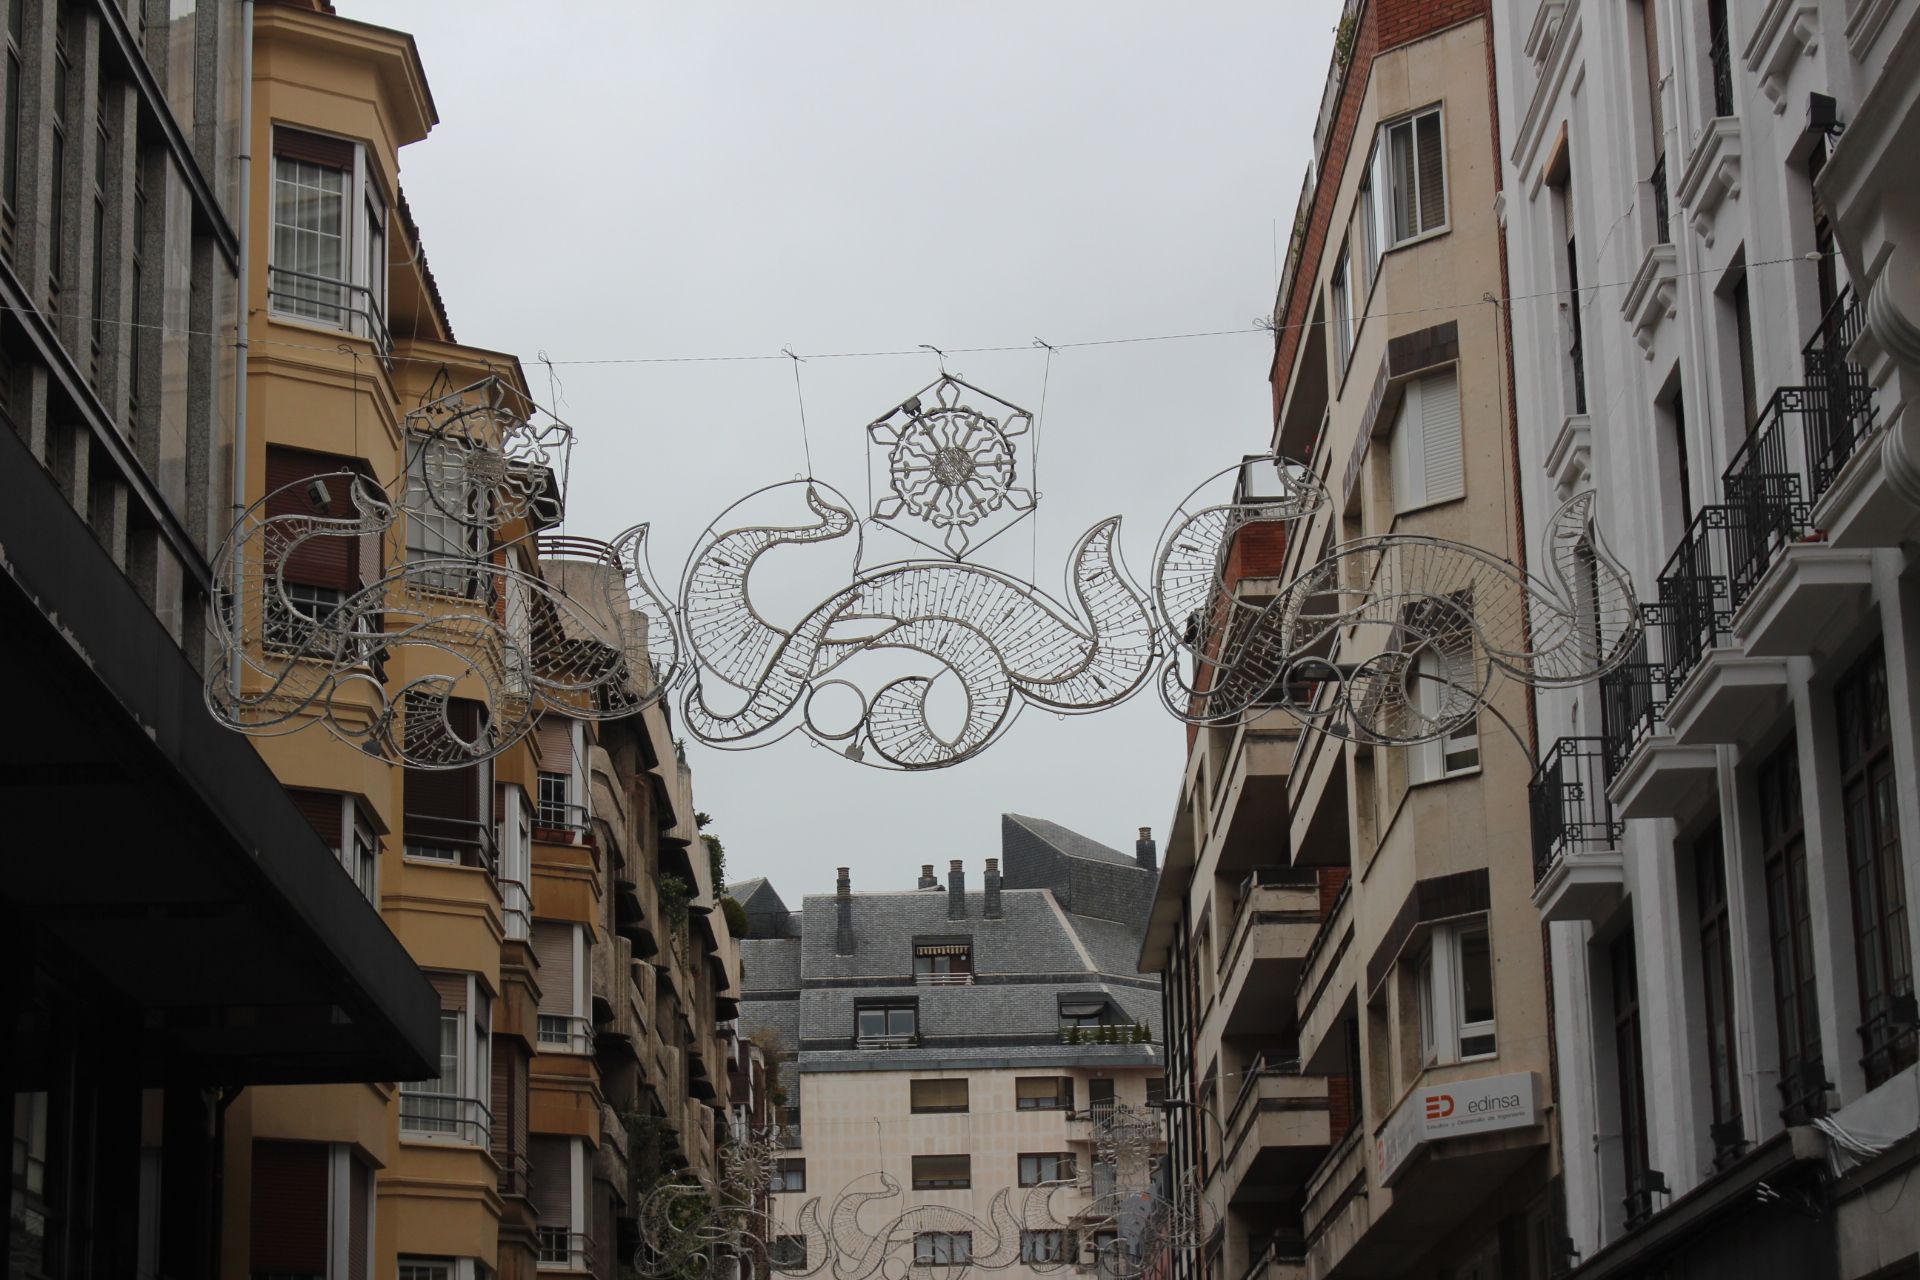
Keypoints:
pixel 1332 881
pixel 1258 551
pixel 1340 1114
pixel 1404 21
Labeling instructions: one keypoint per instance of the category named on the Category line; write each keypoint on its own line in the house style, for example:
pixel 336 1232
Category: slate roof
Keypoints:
pixel 770 964
pixel 1071 843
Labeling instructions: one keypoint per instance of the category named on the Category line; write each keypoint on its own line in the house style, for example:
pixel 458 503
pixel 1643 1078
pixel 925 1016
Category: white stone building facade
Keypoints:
pixel 1712 216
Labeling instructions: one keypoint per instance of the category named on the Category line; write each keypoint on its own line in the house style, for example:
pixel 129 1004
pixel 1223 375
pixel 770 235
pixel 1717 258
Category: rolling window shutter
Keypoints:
pixel 453 991
pixel 314 148
pixel 444 802
pixel 553 947
pixel 500 1138
pixel 556 745
pixel 1409 471
pixel 289 1219
pixel 552 1160
pixel 1440 436
pixel 321 809
pixel 329 559
pixel 359 1219
pixel 1433 171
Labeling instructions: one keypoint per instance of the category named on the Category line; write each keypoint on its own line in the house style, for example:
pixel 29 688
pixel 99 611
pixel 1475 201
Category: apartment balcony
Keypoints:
pixel 565 1033
pixel 447 1117
pixel 1278 1129
pixel 1649 774
pixel 1274 925
pixel 1279 1258
pixel 1250 795
pixel 1578 870
pixel 455 841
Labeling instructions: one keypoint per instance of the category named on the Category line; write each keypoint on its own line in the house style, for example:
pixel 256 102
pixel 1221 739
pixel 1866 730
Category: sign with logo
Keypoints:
pixel 1453 1110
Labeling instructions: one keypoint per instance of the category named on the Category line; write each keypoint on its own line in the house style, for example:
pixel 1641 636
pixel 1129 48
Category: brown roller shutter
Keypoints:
pixel 552 1179
pixel 328 560
pixel 553 947
pixel 321 809
pixel 453 991
pixel 289 1218
pixel 556 744
pixel 443 804
pixel 314 148
pixel 359 1218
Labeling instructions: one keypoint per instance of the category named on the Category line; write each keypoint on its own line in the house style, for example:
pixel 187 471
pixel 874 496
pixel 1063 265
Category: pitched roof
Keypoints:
pixel 1070 843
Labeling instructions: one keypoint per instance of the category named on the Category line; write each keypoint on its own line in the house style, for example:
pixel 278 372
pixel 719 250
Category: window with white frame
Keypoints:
pixel 446 517
pixel 1371 233
pixel 1427 461
pixel 559 1171
pixel 561 948
pixel 936 1248
pixel 1454 987
pixel 1045 1245
pixel 1444 691
pixel 516 862
pixel 416 1268
pixel 450 1105
pixel 327 261
pixel 1408 178
pixel 1342 298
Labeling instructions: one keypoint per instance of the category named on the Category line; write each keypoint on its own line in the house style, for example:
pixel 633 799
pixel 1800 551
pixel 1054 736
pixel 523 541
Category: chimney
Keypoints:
pixel 926 877
pixel 843 905
pixel 956 890
pixel 992 909
pixel 1144 852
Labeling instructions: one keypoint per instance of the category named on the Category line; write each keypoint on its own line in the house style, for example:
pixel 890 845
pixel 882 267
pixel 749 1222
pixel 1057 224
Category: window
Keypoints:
pixel 882 1026
pixel 562 951
pixel 787 1253
pixel 1716 972
pixel 562 780
pixel 443 808
pixel 1743 340
pixel 1368 228
pixel 931 1248
pixel 556 798
pixel 1043 1093
pixel 10 181
pixel 446 519
pixel 1576 314
pixel 1440 671
pixel 559 1169
pixel 1047 1166
pixel 1088 1011
pixel 1409 169
pixel 1157 1092
pixel 1454 986
pixel 322 558
pixel 942 1173
pixel 1629 1066
pixel 57 169
pixel 1428 466
pixel 328 256
pixel 934 1096
pixel 943 963
pixel 1874 873
pixel 1342 316
pixel 1043 1246
pixel 1100 1100
pixel 103 144
pixel 449 1103
pixel 427 1269
pixel 789 1175
pixel 344 828
pixel 1790 935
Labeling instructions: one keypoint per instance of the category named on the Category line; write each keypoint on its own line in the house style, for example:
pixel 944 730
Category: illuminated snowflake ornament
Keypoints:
pixel 952 468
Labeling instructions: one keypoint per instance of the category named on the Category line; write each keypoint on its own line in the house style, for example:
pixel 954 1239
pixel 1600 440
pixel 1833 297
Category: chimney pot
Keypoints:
pixel 1144 851
pixel 991 902
pixel 926 877
pixel 956 890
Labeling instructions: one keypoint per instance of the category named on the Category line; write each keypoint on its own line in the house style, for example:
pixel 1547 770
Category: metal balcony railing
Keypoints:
pixel 1632 696
pixel 517 906
pixel 1567 800
pixel 450 1115
pixel 1844 399
pixel 904 1041
pixel 963 978
pixel 457 840
pixel 561 1249
pixel 1765 496
pixel 1695 602
pixel 516 1174
pixel 565 1033
pixel 558 815
pixel 1803 1090
pixel 325 300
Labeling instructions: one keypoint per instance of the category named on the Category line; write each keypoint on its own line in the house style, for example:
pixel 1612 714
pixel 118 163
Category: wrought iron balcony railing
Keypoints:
pixel 1632 697
pixel 1694 609
pixel 1568 802
pixel 1844 405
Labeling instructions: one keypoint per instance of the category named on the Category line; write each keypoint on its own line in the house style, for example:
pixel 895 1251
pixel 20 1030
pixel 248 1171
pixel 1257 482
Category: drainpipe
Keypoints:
pixel 242 323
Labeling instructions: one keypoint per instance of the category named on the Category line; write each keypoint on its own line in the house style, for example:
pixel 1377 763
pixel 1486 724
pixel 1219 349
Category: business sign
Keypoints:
pixel 1453 1110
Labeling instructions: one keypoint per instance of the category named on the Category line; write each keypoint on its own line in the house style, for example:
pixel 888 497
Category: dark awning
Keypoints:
pixel 154 851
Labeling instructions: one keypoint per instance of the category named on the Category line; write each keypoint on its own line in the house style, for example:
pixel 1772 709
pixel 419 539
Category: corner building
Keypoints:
pixel 1712 225
pixel 961 1042
pixel 557 897
pixel 1359 1058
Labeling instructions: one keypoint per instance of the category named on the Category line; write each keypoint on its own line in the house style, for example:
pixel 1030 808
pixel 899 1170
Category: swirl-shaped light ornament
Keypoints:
pixel 430 646
pixel 1002 641
pixel 1397 639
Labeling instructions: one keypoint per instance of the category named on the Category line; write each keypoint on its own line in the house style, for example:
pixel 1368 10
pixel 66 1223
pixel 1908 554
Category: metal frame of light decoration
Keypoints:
pixel 1342 647
pixel 688 1226
pixel 478 458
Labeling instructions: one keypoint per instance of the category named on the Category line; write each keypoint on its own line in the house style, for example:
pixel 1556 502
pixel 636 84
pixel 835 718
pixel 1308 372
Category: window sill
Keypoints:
pixel 1401 513
pixel 1411 241
pixel 1412 783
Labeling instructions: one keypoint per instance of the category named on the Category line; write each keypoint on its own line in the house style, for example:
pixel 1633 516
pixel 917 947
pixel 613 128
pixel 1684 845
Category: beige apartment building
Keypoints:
pixel 967 1046
pixel 557 896
pixel 1357 1014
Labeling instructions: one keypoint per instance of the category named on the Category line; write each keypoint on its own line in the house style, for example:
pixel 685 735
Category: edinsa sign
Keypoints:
pixel 1452 1110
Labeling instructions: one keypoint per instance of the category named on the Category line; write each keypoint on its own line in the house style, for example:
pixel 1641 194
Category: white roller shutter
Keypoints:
pixel 1428 465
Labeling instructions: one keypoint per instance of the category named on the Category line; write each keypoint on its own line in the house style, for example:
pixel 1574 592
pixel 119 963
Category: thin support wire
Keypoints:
pixel 1046 375
pixel 806 443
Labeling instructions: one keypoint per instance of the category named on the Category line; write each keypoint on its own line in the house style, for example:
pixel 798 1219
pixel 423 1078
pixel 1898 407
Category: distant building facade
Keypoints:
pixel 961 1041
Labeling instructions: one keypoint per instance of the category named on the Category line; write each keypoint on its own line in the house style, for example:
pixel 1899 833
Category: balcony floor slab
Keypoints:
pixel 1812 595
pixel 1663 779
pixel 1582 884
pixel 1728 697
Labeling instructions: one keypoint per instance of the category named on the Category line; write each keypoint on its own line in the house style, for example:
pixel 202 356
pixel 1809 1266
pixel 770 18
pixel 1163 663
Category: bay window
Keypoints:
pixel 1407 177
pixel 344 827
pixel 1341 295
pixel 561 950
pixel 559 1198
pixel 446 517
pixel 449 1104
pixel 327 260
pixel 1454 987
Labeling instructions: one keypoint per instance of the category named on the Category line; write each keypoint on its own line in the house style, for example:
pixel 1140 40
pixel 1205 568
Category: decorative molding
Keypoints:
pixel 1553 74
pixel 1865 23
pixel 1712 175
pixel 1788 29
pixel 1650 298
pixel 1545 30
pixel 1570 460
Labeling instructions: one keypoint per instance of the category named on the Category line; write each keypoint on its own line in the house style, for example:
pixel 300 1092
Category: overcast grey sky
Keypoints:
pixel 679 179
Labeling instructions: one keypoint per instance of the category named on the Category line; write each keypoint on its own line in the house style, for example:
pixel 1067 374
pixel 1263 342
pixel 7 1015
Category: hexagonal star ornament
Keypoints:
pixel 954 458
